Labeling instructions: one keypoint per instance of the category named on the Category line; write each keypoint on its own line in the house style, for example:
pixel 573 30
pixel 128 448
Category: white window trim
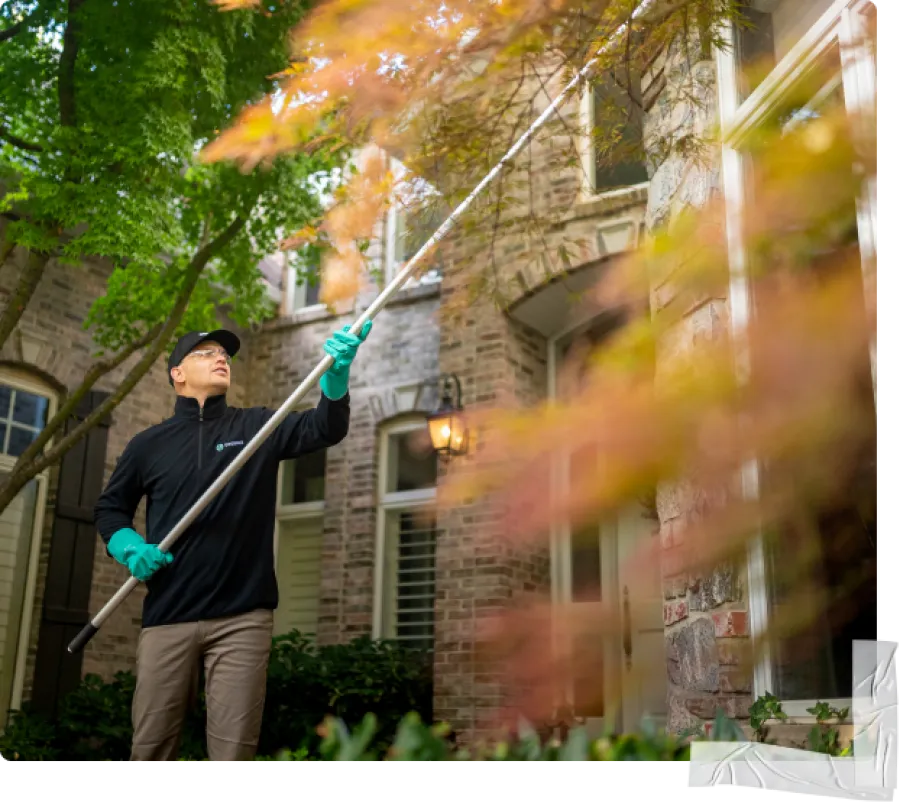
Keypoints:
pixel 296 512
pixel 420 499
pixel 561 551
pixel 293 292
pixel 835 27
pixel 390 263
pixel 22 381
pixel 586 192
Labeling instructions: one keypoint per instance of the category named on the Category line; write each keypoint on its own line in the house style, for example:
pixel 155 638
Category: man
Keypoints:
pixel 215 602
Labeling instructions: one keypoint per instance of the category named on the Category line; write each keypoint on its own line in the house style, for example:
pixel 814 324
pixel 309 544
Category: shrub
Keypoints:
pixel 305 685
pixel 416 741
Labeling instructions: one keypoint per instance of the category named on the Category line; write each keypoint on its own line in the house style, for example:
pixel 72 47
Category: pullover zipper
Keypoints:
pixel 200 443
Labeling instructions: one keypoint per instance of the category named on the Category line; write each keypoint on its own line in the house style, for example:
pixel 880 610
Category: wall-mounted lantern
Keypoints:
pixel 446 425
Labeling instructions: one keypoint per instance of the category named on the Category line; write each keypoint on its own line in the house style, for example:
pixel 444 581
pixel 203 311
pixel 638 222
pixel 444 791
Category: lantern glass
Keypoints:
pixel 448 432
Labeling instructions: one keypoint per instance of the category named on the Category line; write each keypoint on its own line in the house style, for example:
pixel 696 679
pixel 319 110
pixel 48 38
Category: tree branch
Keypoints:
pixel 67 59
pixel 32 462
pixel 93 374
pixel 6 248
pixel 28 282
pixel 18 27
pixel 18 142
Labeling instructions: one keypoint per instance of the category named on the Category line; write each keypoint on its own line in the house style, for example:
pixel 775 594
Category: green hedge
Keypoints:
pixel 416 741
pixel 305 685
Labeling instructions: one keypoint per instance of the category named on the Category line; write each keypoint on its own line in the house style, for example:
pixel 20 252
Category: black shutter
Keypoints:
pixel 71 563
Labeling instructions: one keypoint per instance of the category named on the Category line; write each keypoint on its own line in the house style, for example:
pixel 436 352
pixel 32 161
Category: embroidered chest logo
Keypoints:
pixel 221 447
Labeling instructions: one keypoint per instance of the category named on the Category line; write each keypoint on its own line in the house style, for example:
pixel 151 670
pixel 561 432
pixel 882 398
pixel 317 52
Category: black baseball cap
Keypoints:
pixel 187 343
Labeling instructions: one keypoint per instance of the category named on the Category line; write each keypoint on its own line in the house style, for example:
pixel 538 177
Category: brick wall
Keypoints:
pixel 499 361
pixel 401 350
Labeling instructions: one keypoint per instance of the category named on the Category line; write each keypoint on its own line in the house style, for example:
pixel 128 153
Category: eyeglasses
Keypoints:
pixel 207 353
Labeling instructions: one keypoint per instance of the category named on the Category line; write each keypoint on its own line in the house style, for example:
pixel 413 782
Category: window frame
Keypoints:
pixel 586 191
pixel 838 26
pixel 389 503
pixel 22 380
pixel 293 292
pixel 560 538
pixel 393 219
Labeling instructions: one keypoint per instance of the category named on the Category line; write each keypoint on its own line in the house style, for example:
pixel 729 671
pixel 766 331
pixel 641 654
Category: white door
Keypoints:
pixel 607 579
pixel 643 651
pixel 612 592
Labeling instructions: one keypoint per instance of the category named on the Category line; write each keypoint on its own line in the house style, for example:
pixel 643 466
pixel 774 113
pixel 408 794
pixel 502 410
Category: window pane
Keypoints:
pixel 412 462
pixel 5 399
pixel 585 538
pixel 769 30
pixel 298 569
pixel 415 225
pixel 829 572
pixel 3 428
pixel 415 580
pixel 303 479
pixel 588 673
pixel 586 583
pixel 617 108
pixel 312 292
pixel 30 409
pixel 19 440
pixel 821 568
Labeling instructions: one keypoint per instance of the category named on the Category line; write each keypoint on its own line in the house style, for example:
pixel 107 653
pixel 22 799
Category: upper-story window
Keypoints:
pixel 414 216
pixel 613 116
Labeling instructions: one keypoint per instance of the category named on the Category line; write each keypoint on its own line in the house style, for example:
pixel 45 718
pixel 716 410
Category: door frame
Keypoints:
pixel 561 565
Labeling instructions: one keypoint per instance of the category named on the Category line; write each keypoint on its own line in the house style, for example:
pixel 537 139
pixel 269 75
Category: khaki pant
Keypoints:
pixel 235 655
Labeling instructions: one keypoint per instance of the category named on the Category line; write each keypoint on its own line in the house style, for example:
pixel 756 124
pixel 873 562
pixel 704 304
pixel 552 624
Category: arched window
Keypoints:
pixel 26 404
pixel 406 535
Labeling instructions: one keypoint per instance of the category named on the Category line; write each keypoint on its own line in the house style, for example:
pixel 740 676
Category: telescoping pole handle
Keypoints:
pixel 92 627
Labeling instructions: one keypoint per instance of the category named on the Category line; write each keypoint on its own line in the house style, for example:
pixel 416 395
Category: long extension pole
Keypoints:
pixel 91 628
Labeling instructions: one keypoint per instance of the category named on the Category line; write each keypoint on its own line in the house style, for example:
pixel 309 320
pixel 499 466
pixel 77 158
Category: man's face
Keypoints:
pixel 206 369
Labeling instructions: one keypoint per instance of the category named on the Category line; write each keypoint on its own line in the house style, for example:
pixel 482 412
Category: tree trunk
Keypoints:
pixel 28 282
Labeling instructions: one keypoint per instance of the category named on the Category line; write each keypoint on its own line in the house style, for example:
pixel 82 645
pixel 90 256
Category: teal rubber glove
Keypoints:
pixel 342 346
pixel 143 560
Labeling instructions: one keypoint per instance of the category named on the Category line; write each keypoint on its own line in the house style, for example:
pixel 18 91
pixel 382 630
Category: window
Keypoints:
pixel 298 546
pixel 407 536
pixel 612 105
pixel 802 60
pixel 299 292
pixel 25 406
pixel 771 28
pixel 414 216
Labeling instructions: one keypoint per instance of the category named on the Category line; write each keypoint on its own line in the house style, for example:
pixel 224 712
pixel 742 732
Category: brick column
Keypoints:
pixel 480 571
pixel 706 617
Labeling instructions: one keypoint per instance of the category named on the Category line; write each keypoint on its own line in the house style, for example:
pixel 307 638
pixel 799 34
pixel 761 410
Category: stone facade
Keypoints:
pixel 705 617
